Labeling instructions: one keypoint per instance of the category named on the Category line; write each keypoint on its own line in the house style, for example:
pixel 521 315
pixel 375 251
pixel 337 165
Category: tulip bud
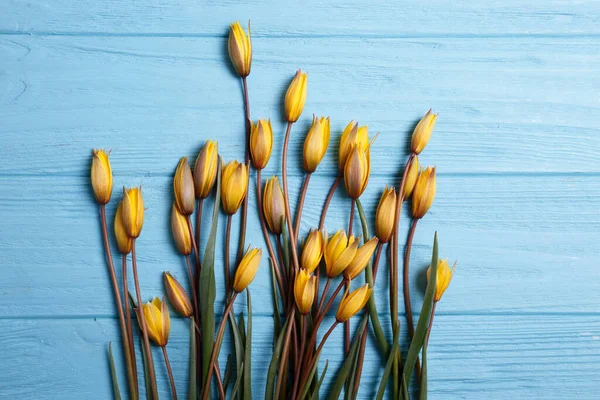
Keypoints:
pixel 273 205
pixel 352 135
pixel 295 96
pixel 158 321
pixel 246 270
pixel 133 211
pixel 353 302
pixel 361 259
pixel 101 175
pixel 181 231
pixel 312 252
pixel 443 277
pixel 422 132
pixel 177 295
pixel 124 242
pixel 261 143
pixel 183 188
pixel 357 171
pixel 240 49
pixel 316 142
pixel 386 213
pixel 411 178
pixel 205 169
pixel 339 252
pixel 423 193
pixel 234 185
pixel 305 287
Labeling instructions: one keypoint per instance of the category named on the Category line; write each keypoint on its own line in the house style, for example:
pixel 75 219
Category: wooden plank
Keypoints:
pixel 277 18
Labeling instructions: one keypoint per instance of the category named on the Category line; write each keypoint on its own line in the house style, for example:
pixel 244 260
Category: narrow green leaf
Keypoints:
pixel 236 386
pixel 248 352
pixel 276 306
pixel 404 390
pixel 423 389
pixel 388 366
pixel 311 375
pixel 315 390
pixel 423 322
pixel 192 384
pixel 242 327
pixel 147 380
pixel 228 372
pixel 286 244
pixel 113 373
pixel 239 353
pixel 270 386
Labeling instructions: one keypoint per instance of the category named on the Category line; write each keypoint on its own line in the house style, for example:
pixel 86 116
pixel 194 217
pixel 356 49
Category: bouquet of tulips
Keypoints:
pixel 312 277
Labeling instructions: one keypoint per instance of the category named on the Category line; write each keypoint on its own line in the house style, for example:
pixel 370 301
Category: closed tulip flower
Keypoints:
pixel 133 211
pixel 424 192
pixel 240 49
pixel 181 231
pixel 124 242
pixel 316 143
pixel 357 171
pixel 422 132
pixel 183 188
pixel 246 270
pixel 101 175
pixel 444 276
pixel 312 251
pixel 177 295
pixel 158 321
pixel 273 205
pixel 384 218
pixel 352 303
pixel 304 291
pixel 261 143
pixel 361 259
pixel 295 96
pixel 411 178
pixel 205 169
pixel 352 135
pixel 339 253
pixel 234 185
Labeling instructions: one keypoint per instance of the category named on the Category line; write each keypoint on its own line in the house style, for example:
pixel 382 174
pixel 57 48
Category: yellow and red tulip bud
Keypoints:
pixel 357 171
pixel 353 302
pixel 205 169
pixel 240 49
pixel 295 96
pixel 339 253
pixel 234 185
pixel 177 295
pixel 316 143
pixel 183 188
pixel 312 251
pixel 133 211
pixel 411 178
pixel 424 192
pixel 384 218
pixel 124 242
pixel 422 132
pixel 352 135
pixel 273 205
pixel 261 143
pixel 443 277
pixel 158 321
pixel 361 259
pixel 101 175
pixel 246 270
pixel 305 287
pixel 181 231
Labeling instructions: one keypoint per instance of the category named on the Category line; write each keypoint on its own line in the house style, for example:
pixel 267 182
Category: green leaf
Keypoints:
pixel 236 386
pixel 248 352
pixel 239 352
pixel 423 389
pixel 228 372
pixel 208 287
pixel 311 375
pixel 404 390
pixel 270 386
pixel 277 310
pixel 388 366
pixel 113 373
pixel 315 392
pixel 192 384
pixel 423 322
pixel 286 245
pixel 242 327
pixel 147 380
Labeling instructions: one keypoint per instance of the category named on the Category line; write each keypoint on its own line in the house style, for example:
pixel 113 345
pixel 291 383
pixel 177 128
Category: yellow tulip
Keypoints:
pixel 424 192
pixel 261 143
pixel 295 96
pixel 177 295
pixel 443 277
pixel 124 242
pixel 101 175
pixel 183 188
pixel 353 302
pixel 384 218
pixel 158 321
pixel 352 135
pixel 133 211
pixel 240 49
pixel 316 143
pixel 411 178
pixel 357 171
pixel 361 259
pixel 234 185
pixel 312 251
pixel 205 169
pixel 422 132
pixel 305 287
pixel 181 231
pixel 339 253
pixel 273 205
pixel 246 270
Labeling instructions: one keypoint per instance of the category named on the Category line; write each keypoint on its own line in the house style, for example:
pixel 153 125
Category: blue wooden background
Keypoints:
pixel 517 146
